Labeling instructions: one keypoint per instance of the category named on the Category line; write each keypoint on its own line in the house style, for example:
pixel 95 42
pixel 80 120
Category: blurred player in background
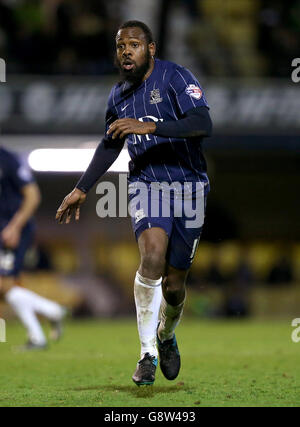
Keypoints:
pixel 19 199
pixel 160 110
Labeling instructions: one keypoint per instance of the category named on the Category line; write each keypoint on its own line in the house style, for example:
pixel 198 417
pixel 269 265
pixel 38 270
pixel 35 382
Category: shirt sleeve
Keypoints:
pixel 197 123
pixel 186 91
pixel 19 172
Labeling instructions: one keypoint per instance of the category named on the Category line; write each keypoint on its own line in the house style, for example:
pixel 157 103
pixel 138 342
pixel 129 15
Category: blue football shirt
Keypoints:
pixel 14 175
pixel 169 92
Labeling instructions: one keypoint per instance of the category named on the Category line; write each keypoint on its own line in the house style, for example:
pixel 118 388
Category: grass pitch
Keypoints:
pixel 238 363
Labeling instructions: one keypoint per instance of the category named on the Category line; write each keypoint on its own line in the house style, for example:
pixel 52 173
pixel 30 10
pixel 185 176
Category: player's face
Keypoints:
pixel 134 54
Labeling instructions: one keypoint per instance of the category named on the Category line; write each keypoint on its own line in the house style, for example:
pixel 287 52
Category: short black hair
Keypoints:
pixel 146 30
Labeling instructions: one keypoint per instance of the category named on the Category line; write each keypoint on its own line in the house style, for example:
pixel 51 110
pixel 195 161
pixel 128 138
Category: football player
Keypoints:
pixel 19 199
pixel 160 110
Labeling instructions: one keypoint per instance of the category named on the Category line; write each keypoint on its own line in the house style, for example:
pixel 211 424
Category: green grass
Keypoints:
pixel 223 364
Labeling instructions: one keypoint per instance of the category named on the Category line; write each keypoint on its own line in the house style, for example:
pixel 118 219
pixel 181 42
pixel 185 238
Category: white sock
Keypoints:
pixel 169 319
pixel 49 309
pixel 27 316
pixel 26 304
pixel 147 295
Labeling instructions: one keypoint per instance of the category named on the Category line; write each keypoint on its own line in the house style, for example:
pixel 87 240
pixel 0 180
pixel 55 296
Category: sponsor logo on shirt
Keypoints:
pixel 194 91
pixel 155 97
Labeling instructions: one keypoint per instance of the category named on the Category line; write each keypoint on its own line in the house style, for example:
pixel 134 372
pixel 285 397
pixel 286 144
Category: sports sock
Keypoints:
pixel 26 304
pixel 49 309
pixel 147 295
pixel 15 299
pixel 169 319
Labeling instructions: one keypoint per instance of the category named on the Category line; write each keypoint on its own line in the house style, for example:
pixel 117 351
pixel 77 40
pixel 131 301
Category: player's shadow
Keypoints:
pixel 141 392
pixel 145 392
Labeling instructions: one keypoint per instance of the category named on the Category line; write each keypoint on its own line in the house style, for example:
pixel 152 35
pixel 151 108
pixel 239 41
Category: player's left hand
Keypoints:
pixel 122 127
pixel 70 205
pixel 11 236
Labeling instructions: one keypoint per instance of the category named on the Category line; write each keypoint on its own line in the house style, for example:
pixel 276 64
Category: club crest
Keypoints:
pixel 155 97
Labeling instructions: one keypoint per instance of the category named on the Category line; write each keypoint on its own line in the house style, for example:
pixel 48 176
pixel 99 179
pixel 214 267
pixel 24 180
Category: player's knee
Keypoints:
pixel 174 287
pixel 174 284
pixel 153 261
pixel 153 245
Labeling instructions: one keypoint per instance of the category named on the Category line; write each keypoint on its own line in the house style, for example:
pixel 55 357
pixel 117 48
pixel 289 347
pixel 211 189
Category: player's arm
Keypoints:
pixel 105 155
pixel 12 232
pixel 196 123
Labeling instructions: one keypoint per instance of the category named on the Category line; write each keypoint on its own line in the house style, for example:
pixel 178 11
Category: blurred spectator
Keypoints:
pixel 215 275
pixel 8 29
pixel 81 33
pixel 281 272
pixel 234 284
pixel 57 36
pixel 220 225
pixel 279 38
pixel 242 38
pixel 237 294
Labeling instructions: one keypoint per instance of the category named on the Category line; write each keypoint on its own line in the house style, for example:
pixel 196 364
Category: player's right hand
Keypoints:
pixel 11 236
pixel 71 204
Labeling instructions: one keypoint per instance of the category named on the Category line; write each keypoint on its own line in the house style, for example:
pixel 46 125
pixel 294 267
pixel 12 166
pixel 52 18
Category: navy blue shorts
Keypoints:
pixel 11 261
pixel 179 209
